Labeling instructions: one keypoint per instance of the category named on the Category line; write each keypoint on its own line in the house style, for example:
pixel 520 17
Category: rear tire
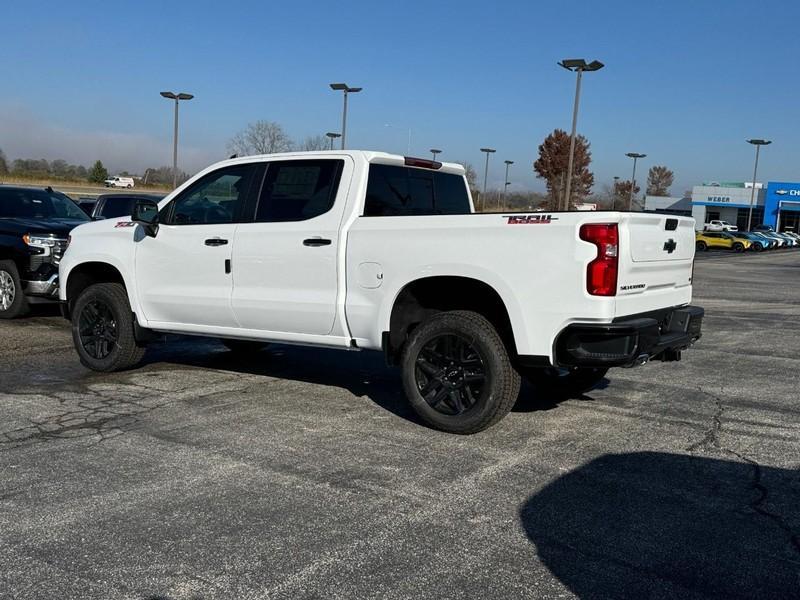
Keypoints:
pixel 102 328
pixel 564 382
pixel 243 346
pixel 701 246
pixel 13 302
pixel 738 247
pixel 457 374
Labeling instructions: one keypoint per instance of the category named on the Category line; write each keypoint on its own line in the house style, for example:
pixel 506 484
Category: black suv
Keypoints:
pixel 34 233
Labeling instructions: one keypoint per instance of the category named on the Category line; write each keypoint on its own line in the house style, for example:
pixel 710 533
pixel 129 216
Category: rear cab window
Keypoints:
pixel 402 191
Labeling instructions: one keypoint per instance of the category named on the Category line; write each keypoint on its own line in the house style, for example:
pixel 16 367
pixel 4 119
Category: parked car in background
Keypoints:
pixel 86 205
pixel 111 206
pixel 793 234
pixel 119 182
pixel 716 225
pixel 780 242
pixel 772 242
pixel 705 240
pixel 34 232
pixel 790 241
pixel 758 242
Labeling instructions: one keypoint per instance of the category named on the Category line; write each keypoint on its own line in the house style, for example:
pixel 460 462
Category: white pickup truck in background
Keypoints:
pixel 371 251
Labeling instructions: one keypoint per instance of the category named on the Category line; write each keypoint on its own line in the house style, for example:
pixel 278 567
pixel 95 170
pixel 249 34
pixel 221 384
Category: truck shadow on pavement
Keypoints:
pixel 647 525
pixel 364 374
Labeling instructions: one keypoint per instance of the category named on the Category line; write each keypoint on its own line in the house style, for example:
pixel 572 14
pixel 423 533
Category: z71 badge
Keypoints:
pixel 529 219
pixel 124 224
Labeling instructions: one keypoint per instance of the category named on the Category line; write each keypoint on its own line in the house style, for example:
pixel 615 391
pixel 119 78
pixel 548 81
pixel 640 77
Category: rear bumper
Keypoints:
pixel 630 340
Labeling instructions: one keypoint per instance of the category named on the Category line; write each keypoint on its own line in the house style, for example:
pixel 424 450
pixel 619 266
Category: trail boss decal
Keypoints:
pixel 124 224
pixel 529 219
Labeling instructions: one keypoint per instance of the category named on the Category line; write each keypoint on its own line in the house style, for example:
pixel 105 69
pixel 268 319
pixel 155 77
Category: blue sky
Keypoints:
pixel 685 82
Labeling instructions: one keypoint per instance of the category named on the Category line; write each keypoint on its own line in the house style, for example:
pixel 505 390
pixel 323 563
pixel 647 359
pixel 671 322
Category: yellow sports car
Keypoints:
pixel 720 239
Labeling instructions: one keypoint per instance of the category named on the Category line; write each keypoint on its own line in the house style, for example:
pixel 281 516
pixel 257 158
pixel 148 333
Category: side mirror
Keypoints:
pixel 145 212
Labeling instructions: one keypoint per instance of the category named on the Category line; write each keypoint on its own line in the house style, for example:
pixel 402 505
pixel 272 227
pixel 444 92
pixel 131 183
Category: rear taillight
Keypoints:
pixel 601 273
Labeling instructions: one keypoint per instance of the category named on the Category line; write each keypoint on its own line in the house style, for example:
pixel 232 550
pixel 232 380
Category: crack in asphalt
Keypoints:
pixel 711 440
pixel 100 414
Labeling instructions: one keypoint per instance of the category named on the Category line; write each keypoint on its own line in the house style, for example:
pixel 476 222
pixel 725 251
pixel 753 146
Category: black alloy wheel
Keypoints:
pixel 97 329
pixel 103 328
pixel 450 374
pixel 457 374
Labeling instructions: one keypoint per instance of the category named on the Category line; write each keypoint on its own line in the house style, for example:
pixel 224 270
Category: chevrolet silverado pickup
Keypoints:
pixel 34 228
pixel 364 251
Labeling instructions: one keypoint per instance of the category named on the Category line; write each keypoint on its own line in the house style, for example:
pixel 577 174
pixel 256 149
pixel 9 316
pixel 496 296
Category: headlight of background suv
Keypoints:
pixel 43 242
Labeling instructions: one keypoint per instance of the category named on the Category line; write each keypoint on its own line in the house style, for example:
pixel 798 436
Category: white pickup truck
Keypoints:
pixel 371 251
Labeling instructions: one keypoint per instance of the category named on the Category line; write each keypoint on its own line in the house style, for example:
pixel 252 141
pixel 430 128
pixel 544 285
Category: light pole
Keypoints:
pixel 635 156
pixel 434 152
pixel 177 98
pixel 757 144
pixel 507 182
pixel 486 170
pixel 578 65
pixel 614 193
pixel 347 91
pixel 332 136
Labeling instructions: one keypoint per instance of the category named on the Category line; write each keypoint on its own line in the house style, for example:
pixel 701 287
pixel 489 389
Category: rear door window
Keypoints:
pixel 298 190
pixel 397 191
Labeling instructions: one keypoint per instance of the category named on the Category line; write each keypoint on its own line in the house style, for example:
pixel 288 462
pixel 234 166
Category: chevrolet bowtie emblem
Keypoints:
pixel 670 245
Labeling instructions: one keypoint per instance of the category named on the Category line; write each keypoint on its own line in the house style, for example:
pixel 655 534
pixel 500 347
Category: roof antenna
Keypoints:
pixel 234 155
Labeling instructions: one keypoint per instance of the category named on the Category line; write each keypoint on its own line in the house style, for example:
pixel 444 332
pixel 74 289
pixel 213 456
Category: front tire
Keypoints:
pixel 13 302
pixel 738 247
pixel 565 382
pixel 701 246
pixel 102 328
pixel 457 374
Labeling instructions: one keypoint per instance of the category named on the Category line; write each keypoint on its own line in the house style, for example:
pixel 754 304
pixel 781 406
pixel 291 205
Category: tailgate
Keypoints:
pixel 655 270
pixel 660 237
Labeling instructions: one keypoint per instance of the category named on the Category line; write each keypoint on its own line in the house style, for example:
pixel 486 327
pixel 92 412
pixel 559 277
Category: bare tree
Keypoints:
pixel 314 142
pixel 623 194
pixel 659 179
pixel 261 137
pixel 552 166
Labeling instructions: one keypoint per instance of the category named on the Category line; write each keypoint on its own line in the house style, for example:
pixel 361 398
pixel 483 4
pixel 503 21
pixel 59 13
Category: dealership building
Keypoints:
pixel 777 203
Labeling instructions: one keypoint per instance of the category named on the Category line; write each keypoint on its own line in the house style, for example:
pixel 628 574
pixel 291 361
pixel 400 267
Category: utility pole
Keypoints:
pixel 635 156
pixel 579 65
pixel 757 144
pixel 347 90
pixel 177 98
pixel 488 151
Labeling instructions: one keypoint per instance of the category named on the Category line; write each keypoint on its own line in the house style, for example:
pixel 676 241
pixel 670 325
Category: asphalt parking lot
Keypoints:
pixel 301 473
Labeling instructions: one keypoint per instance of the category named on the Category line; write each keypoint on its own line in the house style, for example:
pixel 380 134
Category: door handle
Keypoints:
pixel 216 242
pixel 316 241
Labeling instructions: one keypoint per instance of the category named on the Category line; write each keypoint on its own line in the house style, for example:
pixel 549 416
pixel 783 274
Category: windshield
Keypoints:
pixel 38 204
